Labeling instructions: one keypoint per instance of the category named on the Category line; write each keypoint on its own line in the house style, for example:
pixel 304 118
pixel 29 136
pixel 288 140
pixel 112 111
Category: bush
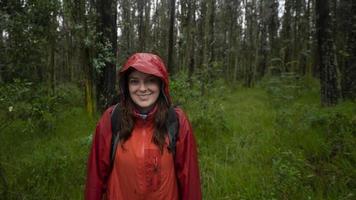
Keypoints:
pixel 206 112
pixel 316 144
pixel 22 100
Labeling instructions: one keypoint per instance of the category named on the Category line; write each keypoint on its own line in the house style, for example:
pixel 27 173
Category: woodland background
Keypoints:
pixel 269 87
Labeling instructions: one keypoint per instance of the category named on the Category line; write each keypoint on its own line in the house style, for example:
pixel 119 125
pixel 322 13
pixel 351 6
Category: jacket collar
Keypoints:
pixel 145 116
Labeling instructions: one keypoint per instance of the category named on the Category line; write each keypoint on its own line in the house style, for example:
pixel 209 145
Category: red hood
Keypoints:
pixel 150 64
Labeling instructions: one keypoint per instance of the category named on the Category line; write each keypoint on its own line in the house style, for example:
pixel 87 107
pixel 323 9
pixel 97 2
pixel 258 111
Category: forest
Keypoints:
pixel 269 87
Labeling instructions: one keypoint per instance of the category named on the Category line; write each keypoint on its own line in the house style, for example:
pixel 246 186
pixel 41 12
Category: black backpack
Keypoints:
pixel 172 125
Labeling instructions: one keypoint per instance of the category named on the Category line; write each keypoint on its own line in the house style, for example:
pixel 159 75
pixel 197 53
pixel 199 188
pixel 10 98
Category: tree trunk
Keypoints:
pixel 141 28
pixel 2 54
pixel 326 51
pixel 83 58
pixel 107 26
pixel 51 43
pixel 127 36
pixel 286 35
pixel 147 25
pixel 170 61
pixel 273 26
pixel 262 53
pixel 251 35
pixel 349 71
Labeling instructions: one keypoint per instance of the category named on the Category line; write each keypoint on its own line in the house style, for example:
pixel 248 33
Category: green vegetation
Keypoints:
pixel 274 141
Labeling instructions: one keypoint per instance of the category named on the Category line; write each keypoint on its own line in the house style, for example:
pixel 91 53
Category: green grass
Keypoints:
pixel 235 162
pixel 277 149
pixel 50 164
pixel 258 143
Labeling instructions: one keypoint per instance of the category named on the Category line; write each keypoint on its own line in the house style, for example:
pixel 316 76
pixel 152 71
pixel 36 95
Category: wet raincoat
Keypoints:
pixel 140 170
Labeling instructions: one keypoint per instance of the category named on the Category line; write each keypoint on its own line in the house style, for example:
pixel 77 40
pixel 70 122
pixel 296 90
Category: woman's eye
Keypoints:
pixel 152 80
pixel 133 81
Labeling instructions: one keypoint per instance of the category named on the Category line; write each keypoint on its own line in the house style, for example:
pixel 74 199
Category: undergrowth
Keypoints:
pixel 273 141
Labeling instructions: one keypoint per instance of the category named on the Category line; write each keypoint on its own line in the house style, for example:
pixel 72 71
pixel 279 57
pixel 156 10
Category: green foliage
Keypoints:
pixel 319 142
pixel 206 112
pixel 288 168
pixel 29 27
pixel 105 55
pixel 34 103
pixel 284 88
pixel 41 162
pixel 263 143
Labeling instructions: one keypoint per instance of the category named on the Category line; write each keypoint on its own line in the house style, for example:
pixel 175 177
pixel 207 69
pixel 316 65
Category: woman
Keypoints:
pixel 144 166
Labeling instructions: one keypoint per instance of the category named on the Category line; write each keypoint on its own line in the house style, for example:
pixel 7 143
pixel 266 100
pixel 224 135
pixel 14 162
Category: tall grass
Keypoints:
pixel 44 160
pixel 273 141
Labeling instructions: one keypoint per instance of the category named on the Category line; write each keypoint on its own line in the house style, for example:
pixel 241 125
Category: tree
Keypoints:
pixel 141 25
pixel 349 71
pixel 170 63
pixel 106 53
pixel 262 51
pixel 273 26
pixel 81 35
pixel 287 35
pixel 326 54
pixel 250 46
pixel 126 39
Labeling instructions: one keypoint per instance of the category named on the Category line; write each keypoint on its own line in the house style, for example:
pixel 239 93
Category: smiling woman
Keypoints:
pixel 148 162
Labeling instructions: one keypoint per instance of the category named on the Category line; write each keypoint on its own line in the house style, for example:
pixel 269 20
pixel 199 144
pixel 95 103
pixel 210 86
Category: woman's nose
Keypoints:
pixel 143 86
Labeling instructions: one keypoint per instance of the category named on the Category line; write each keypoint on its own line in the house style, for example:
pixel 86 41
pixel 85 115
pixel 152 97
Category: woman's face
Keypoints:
pixel 144 89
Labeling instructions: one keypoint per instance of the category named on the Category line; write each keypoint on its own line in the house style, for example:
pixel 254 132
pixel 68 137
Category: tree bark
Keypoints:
pixel 80 19
pixel 141 26
pixel 127 36
pixel 170 61
pixel 286 35
pixel 349 71
pixel 326 52
pixel 107 12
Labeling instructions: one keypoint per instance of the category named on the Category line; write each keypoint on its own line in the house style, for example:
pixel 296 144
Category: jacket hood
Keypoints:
pixel 150 64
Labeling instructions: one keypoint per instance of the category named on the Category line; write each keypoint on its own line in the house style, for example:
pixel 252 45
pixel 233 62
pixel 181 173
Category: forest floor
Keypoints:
pixel 280 146
pixel 252 145
pixel 237 157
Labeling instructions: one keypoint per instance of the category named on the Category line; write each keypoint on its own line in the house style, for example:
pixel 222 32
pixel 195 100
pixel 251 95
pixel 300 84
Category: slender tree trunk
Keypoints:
pixel 326 51
pixel 2 60
pixel 262 47
pixel 51 50
pixel 127 36
pixel 251 35
pixel 83 58
pixel 147 25
pixel 52 65
pixel 306 69
pixel 170 61
pixel 190 47
pixel 141 28
pixel 286 34
pixel 273 26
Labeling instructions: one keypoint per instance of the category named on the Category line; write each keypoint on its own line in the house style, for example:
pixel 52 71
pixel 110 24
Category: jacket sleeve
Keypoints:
pixel 98 166
pixel 186 161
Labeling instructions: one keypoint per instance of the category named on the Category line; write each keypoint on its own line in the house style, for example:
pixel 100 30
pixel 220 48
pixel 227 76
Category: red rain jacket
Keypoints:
pixel 101 181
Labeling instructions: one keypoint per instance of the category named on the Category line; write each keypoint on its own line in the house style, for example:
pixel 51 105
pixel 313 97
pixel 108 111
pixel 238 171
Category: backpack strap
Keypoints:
pixel 172 124
pixel 115 129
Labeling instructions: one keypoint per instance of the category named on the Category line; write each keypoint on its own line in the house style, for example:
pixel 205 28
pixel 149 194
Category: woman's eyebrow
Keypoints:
pixel 133 77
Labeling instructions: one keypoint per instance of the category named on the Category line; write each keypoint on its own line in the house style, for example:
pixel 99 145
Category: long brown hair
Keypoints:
pixel 127 120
